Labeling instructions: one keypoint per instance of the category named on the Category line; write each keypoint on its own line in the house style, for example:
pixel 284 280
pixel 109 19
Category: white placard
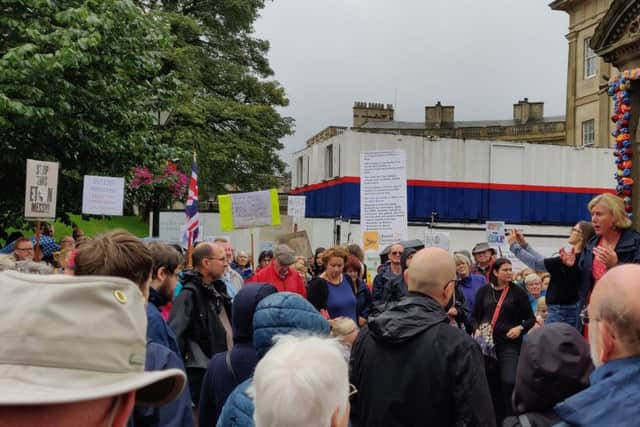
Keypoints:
pixel 383 194
pixel 252 209
pixel 102 195
pixel 495 234
pixel 296 206
pixel 437 239
pixel 41 190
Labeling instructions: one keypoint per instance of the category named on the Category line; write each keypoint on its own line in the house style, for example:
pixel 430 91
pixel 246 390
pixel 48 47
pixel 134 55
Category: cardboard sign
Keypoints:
pixel 41 190
pixel 299 242
pixel 247 210
pixel 102 195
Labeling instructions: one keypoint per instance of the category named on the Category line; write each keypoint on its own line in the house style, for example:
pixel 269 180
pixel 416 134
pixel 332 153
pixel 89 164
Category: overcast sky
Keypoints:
pixel 481 56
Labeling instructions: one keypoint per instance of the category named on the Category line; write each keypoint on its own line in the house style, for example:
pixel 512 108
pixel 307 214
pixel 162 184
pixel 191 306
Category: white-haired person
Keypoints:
pixel 302 381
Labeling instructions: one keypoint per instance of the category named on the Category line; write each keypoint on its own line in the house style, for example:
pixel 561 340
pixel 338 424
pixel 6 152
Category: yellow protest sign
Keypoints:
pixel 247 210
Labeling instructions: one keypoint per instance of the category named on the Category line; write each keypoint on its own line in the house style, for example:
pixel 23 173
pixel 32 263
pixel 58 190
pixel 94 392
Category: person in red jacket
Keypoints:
pixel 280 273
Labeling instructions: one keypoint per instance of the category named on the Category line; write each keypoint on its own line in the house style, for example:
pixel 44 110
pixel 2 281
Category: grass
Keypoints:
pixel 134 224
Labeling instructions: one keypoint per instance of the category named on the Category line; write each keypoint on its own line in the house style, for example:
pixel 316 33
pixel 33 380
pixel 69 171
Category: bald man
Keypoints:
pixel 613 316
pixel 411 367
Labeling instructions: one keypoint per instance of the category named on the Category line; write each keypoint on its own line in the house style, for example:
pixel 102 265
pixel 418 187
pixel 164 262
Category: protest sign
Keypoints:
pixel 296 206
pixel 495 233
pixel 247 210
pixel 102 195
pixel 299 242
pixel 41 190
pixel 383 195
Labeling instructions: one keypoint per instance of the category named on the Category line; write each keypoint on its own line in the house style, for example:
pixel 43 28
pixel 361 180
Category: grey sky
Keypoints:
pixel 479 55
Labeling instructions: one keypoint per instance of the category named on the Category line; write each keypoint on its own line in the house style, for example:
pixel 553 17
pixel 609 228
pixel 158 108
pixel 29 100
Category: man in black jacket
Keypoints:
pixel 411 367
pixel 200 314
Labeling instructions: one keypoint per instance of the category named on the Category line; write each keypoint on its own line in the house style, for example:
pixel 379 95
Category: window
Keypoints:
pixel 588 133
pixel 590 60
pixel 300 171
pixel 328 162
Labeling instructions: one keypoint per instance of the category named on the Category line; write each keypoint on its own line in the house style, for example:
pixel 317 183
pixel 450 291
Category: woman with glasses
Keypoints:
pixel 514 319
pixel 562 292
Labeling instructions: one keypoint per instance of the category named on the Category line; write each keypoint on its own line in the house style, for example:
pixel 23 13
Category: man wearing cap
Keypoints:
pixel 613 316
pixel 200 316
pixel 77 358
pixel 484 256
pixel 280 273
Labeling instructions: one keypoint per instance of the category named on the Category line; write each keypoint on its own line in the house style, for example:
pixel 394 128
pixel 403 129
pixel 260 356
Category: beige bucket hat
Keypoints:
pixel 69 339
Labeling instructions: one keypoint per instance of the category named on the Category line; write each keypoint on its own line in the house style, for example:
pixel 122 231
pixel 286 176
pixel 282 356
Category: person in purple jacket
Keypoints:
pixel 467 282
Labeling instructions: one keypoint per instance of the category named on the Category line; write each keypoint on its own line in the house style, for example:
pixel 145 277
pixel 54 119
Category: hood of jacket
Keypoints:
pixel 281 314
pixel 403 259
pixel 244 305
pixel 554 364
pixel 407 318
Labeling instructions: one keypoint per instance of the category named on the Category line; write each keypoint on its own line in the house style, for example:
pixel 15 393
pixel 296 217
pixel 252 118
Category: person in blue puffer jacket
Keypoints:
pixel 278 314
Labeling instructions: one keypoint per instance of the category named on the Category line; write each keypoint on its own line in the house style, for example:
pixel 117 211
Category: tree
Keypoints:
pixel 78 80
pixel 227 107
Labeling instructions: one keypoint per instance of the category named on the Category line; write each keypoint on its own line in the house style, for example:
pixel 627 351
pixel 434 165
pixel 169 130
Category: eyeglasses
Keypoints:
pixel 585 319
pixel 352 390
pixel 396 253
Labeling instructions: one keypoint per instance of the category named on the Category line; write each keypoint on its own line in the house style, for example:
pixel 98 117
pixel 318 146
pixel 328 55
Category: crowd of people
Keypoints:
pixel 111 330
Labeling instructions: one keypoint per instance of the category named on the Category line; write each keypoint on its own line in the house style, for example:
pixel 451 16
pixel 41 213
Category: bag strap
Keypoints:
pixel 496 312
pixel 524 420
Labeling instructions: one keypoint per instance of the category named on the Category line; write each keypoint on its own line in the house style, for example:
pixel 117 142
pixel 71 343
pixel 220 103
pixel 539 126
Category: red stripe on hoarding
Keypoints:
pixel 462 185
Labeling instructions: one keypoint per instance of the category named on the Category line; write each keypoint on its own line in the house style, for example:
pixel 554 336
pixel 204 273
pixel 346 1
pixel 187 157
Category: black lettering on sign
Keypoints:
pixel 41 180
pixel 33 194
pixel 50 195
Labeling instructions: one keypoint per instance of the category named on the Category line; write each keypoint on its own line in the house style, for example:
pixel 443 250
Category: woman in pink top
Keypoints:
pixel 614 243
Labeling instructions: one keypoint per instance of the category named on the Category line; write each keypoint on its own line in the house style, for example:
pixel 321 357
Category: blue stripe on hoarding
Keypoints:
pixel 459 204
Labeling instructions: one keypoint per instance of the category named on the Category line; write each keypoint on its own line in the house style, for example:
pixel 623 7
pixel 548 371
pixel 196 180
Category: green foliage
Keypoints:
pixel 226 109
pixel 78 80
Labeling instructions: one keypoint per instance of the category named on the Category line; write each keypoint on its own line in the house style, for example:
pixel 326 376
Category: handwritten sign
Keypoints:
pixel 41 190
pixel 246 210
pixel 296 206
pixel 102 195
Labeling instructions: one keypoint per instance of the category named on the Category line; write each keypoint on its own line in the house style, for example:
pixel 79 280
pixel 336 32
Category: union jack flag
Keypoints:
pixel 191 210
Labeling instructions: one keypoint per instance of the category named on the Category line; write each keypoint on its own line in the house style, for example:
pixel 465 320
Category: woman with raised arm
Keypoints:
pixel 562 293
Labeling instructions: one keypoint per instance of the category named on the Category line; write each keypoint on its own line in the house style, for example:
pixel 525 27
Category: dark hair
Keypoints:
pixel 353 263
pixel 200 253
pixel 265 254
pixel 318 293
pixel 164 256
pixel 116 253
pixel 77 231
pixel 587 231
pixel 494 269
pixel 318 251
pixel 356 251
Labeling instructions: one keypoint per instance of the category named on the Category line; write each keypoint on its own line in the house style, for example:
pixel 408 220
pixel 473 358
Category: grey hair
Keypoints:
pixel 301 381
pixel 33 267
pixel 459 257
pixel 532 278
pixel 624 320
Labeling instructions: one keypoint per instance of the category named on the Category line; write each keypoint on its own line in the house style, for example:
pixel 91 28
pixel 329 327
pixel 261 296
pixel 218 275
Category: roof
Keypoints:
pixel 562 4
pixel 393 124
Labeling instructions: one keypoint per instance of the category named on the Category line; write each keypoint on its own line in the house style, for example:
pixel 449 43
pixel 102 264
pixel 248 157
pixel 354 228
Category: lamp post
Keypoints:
pixel 160 119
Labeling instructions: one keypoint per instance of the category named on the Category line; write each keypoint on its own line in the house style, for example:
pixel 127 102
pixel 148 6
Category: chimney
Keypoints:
pixel 525 111
pixel 364 112
pixel 439 116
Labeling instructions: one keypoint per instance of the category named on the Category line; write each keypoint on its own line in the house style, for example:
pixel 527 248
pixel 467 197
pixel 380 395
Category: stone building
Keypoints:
pixel 588 106
pixel 527 125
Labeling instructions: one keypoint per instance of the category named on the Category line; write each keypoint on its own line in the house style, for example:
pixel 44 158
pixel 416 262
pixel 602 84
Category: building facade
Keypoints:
pixel 462 181
pixel 588 105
